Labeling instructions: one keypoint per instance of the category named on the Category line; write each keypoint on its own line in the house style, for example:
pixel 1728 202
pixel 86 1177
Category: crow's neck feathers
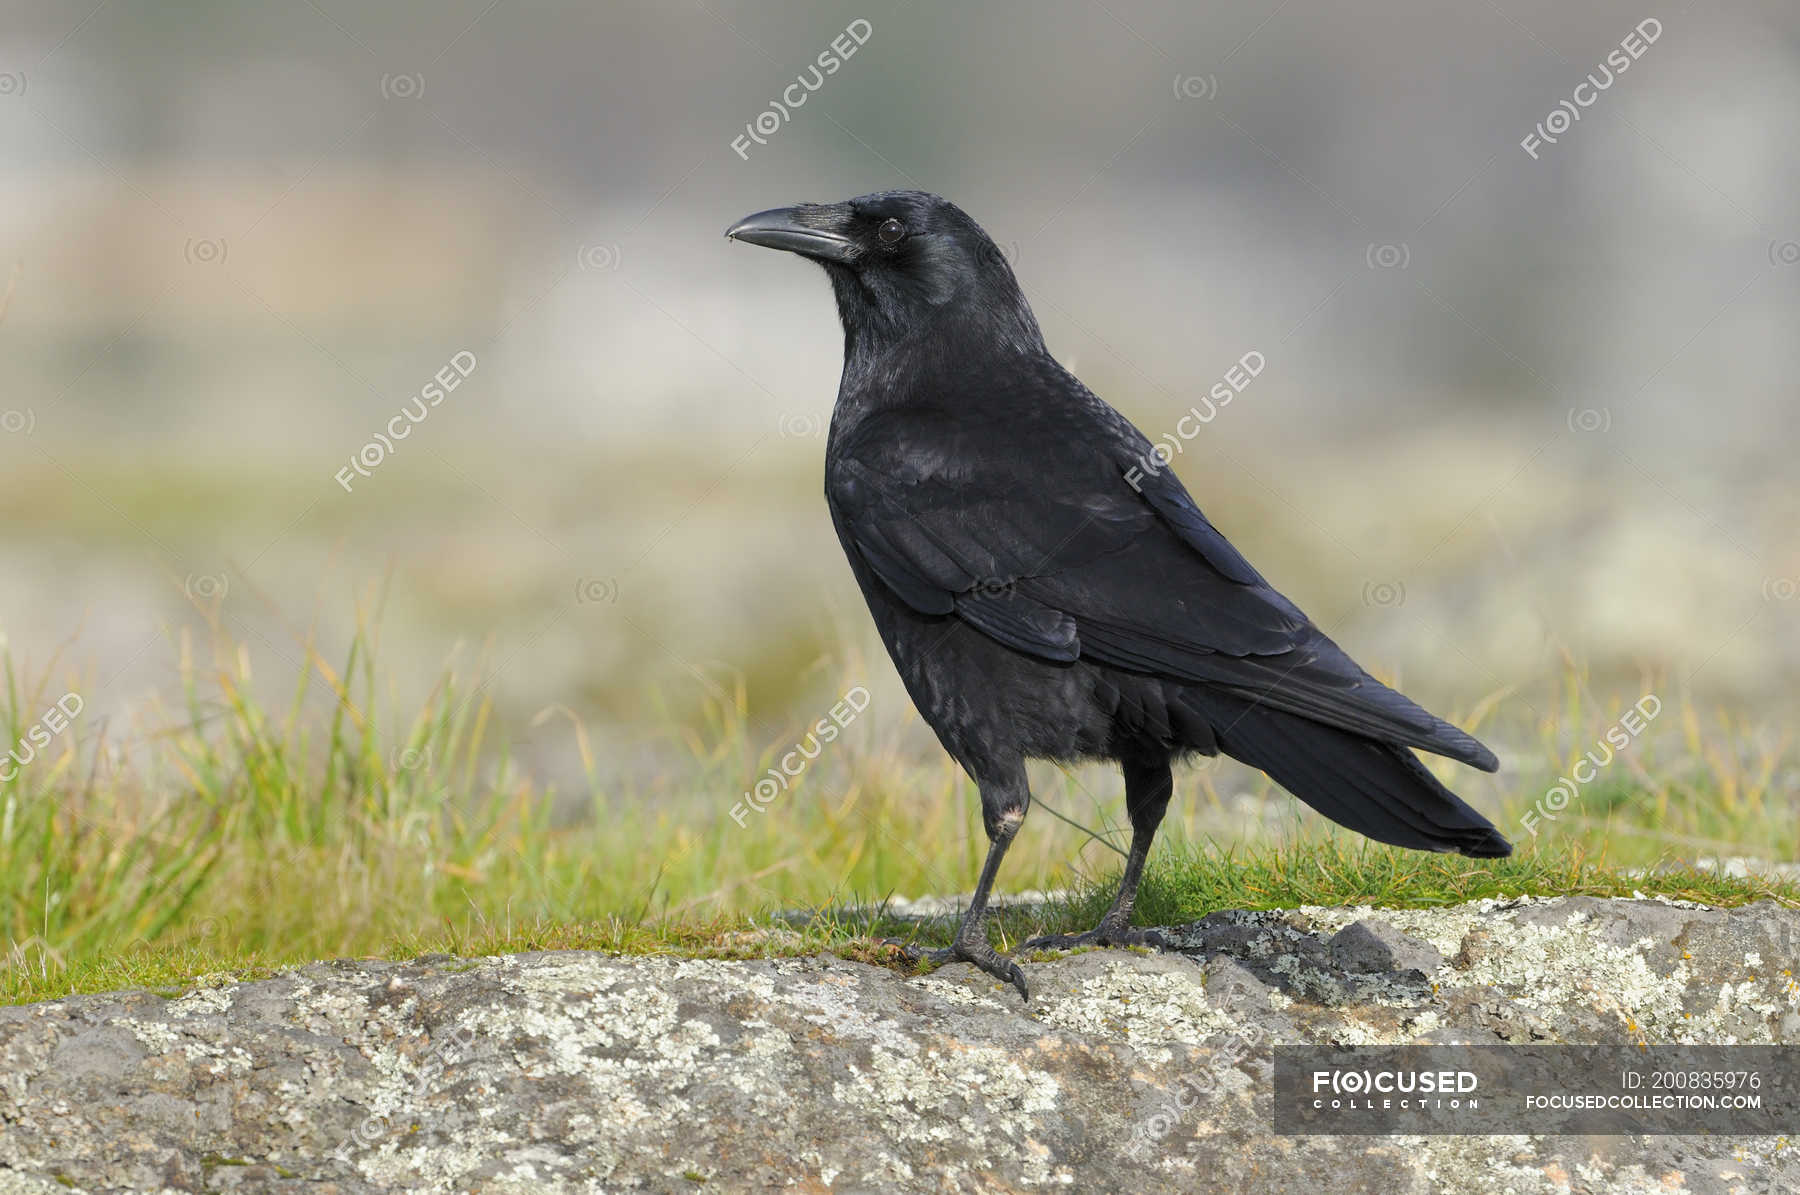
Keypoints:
pixel 899 333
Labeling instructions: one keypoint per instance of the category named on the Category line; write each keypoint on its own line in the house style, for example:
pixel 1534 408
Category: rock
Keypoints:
pixel 1368 946
pixel 1475 947
pixel 1141 1071
pixel 1230 983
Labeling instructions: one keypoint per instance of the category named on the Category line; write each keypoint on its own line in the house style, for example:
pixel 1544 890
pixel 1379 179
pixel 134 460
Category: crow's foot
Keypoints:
pixel 974 950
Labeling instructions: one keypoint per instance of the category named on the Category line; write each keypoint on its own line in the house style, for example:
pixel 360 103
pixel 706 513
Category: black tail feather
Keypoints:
pixel 1374 788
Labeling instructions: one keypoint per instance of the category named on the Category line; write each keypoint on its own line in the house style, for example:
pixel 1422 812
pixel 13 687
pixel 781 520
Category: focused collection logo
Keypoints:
pixel 1391 1089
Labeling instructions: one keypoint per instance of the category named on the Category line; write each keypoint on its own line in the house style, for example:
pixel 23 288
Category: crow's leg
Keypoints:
pixel 1147 788
pixel 1003 805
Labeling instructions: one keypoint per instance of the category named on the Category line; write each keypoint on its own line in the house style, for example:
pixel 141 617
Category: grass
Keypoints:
pixel 226 836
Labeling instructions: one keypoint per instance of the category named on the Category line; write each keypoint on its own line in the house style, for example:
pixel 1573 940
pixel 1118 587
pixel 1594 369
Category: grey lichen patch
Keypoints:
pixel 204 1001
pixel 15 1182
pixel 1552 963
pixel 979 1097
pixel 1491 1166
pixel 157 1036
pixel 1550 967
pixel 1145 1007
pixel 958 994
pixel 837 1003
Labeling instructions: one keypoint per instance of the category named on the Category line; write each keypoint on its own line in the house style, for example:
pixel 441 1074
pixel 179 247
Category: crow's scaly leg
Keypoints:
pixel 1147 788
pixel 1004 802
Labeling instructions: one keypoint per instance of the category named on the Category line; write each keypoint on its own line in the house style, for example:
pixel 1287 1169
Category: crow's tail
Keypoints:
pixel 1375 788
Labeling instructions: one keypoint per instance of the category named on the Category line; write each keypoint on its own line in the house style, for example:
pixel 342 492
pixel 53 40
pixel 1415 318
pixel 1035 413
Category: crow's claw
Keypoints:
pixel 976 952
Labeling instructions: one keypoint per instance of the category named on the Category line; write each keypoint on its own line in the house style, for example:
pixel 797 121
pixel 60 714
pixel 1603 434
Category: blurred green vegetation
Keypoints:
pixel 224 834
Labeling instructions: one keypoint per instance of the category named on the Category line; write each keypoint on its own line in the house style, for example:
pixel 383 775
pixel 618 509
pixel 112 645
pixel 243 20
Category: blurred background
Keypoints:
pixel 1529 402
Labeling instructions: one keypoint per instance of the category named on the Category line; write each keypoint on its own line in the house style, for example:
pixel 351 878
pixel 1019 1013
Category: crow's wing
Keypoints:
pixel 1035 538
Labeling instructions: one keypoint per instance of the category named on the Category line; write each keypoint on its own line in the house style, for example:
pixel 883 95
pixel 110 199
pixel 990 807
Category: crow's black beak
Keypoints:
pixel 810 230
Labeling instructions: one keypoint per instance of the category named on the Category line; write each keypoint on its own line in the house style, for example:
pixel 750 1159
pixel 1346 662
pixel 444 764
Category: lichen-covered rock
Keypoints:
pixel 583 1072
pixel 1378 946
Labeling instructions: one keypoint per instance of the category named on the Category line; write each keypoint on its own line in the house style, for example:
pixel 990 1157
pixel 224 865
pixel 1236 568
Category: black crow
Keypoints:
pixel 1048 590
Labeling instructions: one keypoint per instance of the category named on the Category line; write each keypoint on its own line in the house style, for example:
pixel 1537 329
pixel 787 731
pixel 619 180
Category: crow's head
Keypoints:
pixel 898 261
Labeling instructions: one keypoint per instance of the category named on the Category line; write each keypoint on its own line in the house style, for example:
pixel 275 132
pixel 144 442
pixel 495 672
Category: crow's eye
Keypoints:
pixel 890 232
